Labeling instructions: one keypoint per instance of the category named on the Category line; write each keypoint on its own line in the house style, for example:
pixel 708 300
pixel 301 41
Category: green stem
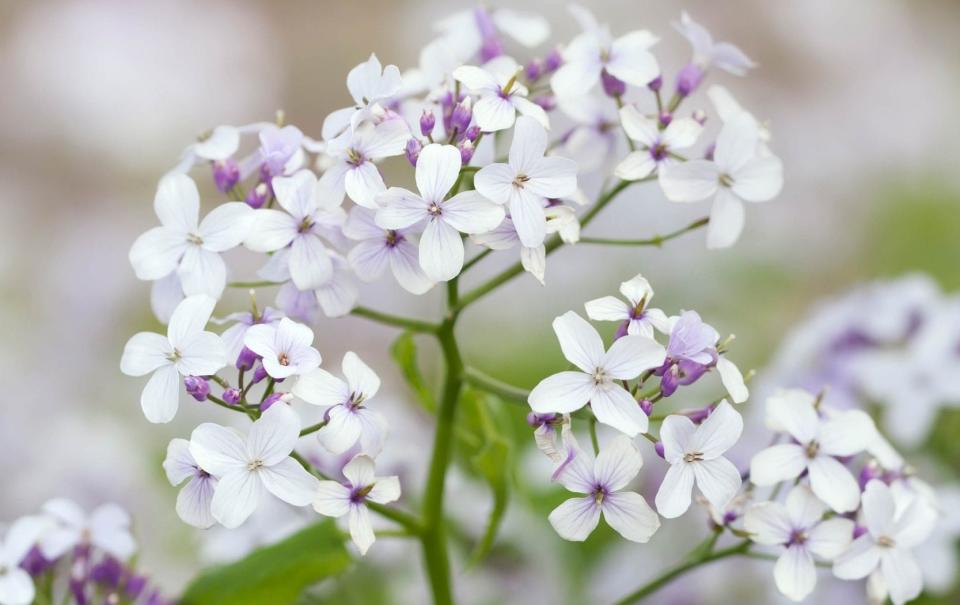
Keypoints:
pixel 253 284
pixel 683 567
pixel 313 428
pixel 496 387
pixel 656 240
pixel 593 436
pixel 414 325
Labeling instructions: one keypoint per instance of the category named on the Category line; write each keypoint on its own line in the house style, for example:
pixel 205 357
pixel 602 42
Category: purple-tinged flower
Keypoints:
pixel 355 153
pixel 258 196
pixel 271 399
pixel 472 133
pixel 635 315
pixel 259 374
pixel 501 98
pixel 107 572
pixel 226 174
pixel 232 396
pixel 552 61
pixel 699 116
pixel 689 79
pixel 379 248
pixel 134 586
pixel 412 151
pixel 665 118
pixel 549 429
pixel 655 84
pixel 707 53
pixel 647 406
pixel 462 115
pixel 246 359
pixel 690 351
pixel 286 348
pixel 427 123
pixel 546 102
pixel 279 149
pixel 233 336
pixel 601 482
pixel 197 387
pixel 533 70
pixel 612 86
pixel 657 140
pixel 466 151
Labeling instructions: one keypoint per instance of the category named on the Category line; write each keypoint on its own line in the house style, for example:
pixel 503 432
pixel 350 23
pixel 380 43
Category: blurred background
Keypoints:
pixel 100 97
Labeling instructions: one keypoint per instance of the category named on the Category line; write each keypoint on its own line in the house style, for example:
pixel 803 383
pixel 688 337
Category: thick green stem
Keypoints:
pixel 700 557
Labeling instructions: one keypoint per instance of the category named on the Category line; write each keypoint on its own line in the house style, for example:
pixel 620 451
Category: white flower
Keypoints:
pixel 737 173
pixel 183 245
pixel 656 145
pixel 334 499
pixel 186 349
pixel 233 336
pixel 597 382
pixel 467 32
pixel 728 109
pixel 799 528
pixel 817 443
pixel 379 248
pixel 501 97
pixel 640 318
pixel 285 348
pixel 312 214
pixel 368 83
pixel 348 418
pixel 707 53
pixel 894 529
pixel 627 58
pixel 441 249
pixel 504 237
pixel 280 152
pixel 695 454
pixel 527 180
pixel 594 138
pixel 107 528
pixel 245 467
pixel 193 501
pixel 602 481
pixel 16 585
pixel 338 295
pixel 354 154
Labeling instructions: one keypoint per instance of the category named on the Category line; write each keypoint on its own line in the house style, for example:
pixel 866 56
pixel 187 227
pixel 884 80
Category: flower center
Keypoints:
pixel 354 157
pixel 193 238
pixel 599 493
pixel 726 180
pixel 255 465
pixel 305 225
pixel 886 542
pixel 813 448
pixel 359 494
pixel 393 238
pixel 600 376
pixel 693 457
pixel 797 536
pixel 174 356
pixel 659 152
pixel 283 359
pixel 519 180
pixel 434 209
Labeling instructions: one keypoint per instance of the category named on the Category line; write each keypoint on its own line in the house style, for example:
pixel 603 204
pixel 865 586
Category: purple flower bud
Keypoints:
pixel 472 133
pixel 258 196
pixel 413 151
pixel 226 174
pixel 647 406
pixel 665 118
pixel 612 86
pixel 869 472
pixel 546 102
pixel 232 396
pixel 552 61
pixel 197 387
pixel 689 79
pixel 858 530
pixel 708 153
pixel 466 151
pixel 462 114
pixel 34 563
pixel 658 448
pixel 427 122
pixel 134 586
pixel 491 49
pixel 700 117
pixel 655 84
pixel 246 359
pixel 269 401
pixel 259 374
pixel 536 420
pixel 533 70
pixel 107 572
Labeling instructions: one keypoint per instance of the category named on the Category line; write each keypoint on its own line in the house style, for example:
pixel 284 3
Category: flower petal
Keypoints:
pixel 901 574
pixel 726 220
pixel 157 252
pixel 161 396
pixel 310 263
pixel 361 531
pixel 227 226
pixel 678 435
pixel 630 516
pixel 689 181
pixel 833 483
pixel 719 431
pixel 144 353
pixel 830 538
pixel 576 518
pixel 469 212
pixel 493 113
pixel 607 308
pixel 777 463
pixel 217 450
pixel 441 251
pixel 630 355
pixel 767 522
pixel 495 182
pixel 618 462
pixel 331 499
pixel 615 407
pixel 274 435
pixel 193 502
pixel 718 480
pixel 438 167
pixel 794 573
pixel 289 481
pixel 859 560
pixel 236 497
pixel 563 393
pixel 579 341
pixel 673 497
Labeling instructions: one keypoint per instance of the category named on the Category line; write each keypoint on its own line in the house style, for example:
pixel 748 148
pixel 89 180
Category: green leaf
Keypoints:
pixel 404 351
pixel 275 574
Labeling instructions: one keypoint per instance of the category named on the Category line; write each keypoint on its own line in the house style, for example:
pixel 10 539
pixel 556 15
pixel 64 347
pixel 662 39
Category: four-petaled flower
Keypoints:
pixel 16 585
pixel 106 528
pixel 193 501
pixel 368 83
pixel 285 347
pixel 636 315
pixel 656 145
pixel 598 381
pixel 355 152
pixel 707 53
pixel 501 98
pixel 379 247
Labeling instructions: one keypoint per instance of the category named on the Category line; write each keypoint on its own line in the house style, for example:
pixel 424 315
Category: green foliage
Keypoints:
pixel 404 352
pixel 275 574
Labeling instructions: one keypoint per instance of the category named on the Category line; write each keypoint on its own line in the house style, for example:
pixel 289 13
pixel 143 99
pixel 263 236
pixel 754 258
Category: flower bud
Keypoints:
pixel 258 196
pixel 270 400
pixel 134 585
pixel 658 448
pixel 689 79
pixel 546 102
pixel 708 153
pixel 612 86
pixel 246 359
pixel 858 530
pixel 226 174
pixel 427 122
pixel 533 70
pixel 466 151
pixel 647 406
pixel 413 151
pixel 259 374
pixel 655 84
pixel 232 396
pixel 491 49
pixel 462 114
pixel 552 61
pixel 665 118
pixel 700 117
pixel 197 387
pixel 34 563
pixel 472 133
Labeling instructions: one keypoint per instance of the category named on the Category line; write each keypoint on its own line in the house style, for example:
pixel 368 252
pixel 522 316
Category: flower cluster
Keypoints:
pixel 88 557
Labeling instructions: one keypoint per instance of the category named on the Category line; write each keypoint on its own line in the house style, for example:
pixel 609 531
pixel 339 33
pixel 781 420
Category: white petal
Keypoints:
pixel 637 165
pixel 526 107
pixel 732 380
pixel 803 508
pixel 274 435
pixel 552 177
pixel 179 464
pixel 363 183
pixel 359 471
pixel 575 469
pixel 220 145
pixel 342 431
pixel 901 575
pixel 202 354
pixel 161 396
pixel 534 261
pixel 607 308
pixel 879 508
pixel 289 481
pixel 630 59
pixel 470 212
pixel 331 499
pixel 630 516
pixel 528 145
pixel 639 127
pixel 217 450
pixel 630 355
pixel 576 518
pixel 400 208
pixel 562 393
pixel 16 587
pixel 193 502
pixel 678 435
pixel 768 523
pixel 859 560
pixel 830 538
pixel 833 483
pixel 369 259
pixel 437 169
pixel 361 379
pixel 719 431
pixel 493 113
pixel 777 463
pixel 795 573
pixel 528 29
pixel 165 294
pixel 673 497
pixel 579 341
pixel 718 480
pixel 271 230
pixel 320 387
pixel 405 264
pixel 310 264
pixel 690 181
pixel 361 531
pixel 682 133
pixel 177 203
pixel 761 179
pixel 495 182
pixel 338 296
pixel 726 220
pixel 526 210
pixel 617 464
pixel 190 318
pixel 361 223
pixel 575 78
pixel 847 433
pixel 791 411
pixel 736 144
pixel 156 253
pixel 236 497
pixel 475 78
pixel 227 226
pixel 144 353
pixel 385 490
pixel 615 407
pixel 441 251
pixel 202 272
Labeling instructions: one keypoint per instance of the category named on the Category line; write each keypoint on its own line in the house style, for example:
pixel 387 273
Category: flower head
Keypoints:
pixel 379 248
pixel 707 53
pixel 285 348
pixel 635 314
